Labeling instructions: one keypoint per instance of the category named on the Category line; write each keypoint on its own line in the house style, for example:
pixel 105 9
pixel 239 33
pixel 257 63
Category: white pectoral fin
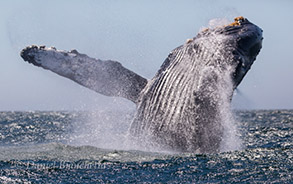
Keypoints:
pixel 106 77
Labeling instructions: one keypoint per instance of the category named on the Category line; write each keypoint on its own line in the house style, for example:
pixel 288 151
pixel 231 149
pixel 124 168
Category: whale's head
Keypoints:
pixel 247 43
pixel 241 40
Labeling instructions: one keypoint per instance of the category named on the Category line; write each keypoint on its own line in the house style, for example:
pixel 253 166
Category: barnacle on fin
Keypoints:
pixel 205 30
pixel 189 40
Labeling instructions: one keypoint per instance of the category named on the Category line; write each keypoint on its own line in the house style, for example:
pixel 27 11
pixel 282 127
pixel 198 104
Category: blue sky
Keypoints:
pixel 139 34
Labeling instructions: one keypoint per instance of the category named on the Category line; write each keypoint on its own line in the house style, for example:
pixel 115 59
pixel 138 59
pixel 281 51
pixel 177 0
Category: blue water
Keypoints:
pixel 90 147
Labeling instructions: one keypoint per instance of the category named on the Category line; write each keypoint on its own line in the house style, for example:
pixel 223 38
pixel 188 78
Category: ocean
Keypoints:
pixel 90 147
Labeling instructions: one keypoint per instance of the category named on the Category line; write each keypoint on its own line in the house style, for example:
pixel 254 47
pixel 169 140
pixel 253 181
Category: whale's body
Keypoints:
pixel 180 108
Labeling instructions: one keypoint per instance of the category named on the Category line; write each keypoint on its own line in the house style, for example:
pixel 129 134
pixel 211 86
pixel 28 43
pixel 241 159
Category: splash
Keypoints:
pixel 230 140
pixel 102 128
pixel 216 22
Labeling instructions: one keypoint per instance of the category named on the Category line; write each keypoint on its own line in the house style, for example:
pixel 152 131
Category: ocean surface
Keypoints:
pixel 91 147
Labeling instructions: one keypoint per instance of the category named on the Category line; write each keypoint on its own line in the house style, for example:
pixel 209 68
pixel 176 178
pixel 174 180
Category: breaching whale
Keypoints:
pixel 179 109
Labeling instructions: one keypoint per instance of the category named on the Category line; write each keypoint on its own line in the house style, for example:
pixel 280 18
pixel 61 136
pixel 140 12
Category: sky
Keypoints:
pixel 139 34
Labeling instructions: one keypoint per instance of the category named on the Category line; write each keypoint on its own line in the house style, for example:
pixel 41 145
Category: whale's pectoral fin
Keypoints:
pixel 106 77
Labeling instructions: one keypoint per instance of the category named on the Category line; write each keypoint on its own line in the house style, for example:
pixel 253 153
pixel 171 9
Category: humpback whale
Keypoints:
pixel 179 109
